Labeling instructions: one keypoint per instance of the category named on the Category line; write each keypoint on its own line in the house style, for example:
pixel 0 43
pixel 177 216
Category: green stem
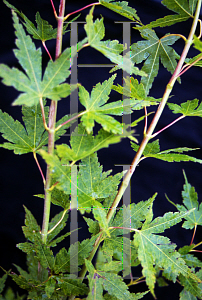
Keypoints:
pixel 51 126
pixel 158 113
pixel 151 128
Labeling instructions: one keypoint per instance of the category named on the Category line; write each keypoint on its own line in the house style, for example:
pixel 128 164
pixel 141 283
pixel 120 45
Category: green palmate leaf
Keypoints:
pixel 195 61
pixel 33 136
pixel 82 250
pixel 122 8
pixel 61 171
pixel 110 282
pixel 131 216
pixel 104 263
pixel 190 200
pixel 98 111
pixel 192 261
pixel 184 295
pixel 135 296
pixel 93 225
pixel 31 229
pixel 115 286
pixel 197 44
pixel 60 198
pixel 93 184
pixel 136 92
pixel 71 286
pixel 50 287
pixel 153 150
pixel 33 265
pixel 182 8
pixel 84 144
pixel 111 49
pixel 191 287
pixel 100 214
pixel 151 51
pixel 192 5
pixel 115 250
pixel 189 108
pixel 22 282
pixel 2 282
pixel 16 134
pixel 95 283
pixel 155 249
pixel 24 139
pixel 44 31
pixel 31 84
pixel 22 272
pixel 43 254
pixel 10 295
pixel 95 103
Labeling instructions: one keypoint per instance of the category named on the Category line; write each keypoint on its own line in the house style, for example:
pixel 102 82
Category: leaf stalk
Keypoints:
pixel 76 11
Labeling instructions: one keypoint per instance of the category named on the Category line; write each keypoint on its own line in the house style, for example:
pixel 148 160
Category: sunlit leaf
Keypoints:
pixel 182 8
pixel 156 249
pixel 153 150
pixel 189 108
pixel 152 50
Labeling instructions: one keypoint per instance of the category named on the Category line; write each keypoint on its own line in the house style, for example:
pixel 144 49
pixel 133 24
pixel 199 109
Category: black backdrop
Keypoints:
pixel 19 176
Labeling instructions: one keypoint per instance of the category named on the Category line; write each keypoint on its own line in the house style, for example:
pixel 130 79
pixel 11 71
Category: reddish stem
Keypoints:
pixel 54 10
pixel 38 165
pixel 51 132
pixel 145 125
pixel 43 114
pixel 44 45
pixel 185 69
pixel 169 125
pixel 76 11
pixel 195 226
pixel 73 118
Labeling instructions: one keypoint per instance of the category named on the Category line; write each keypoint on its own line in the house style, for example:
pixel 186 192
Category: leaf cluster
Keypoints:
pixel 130 236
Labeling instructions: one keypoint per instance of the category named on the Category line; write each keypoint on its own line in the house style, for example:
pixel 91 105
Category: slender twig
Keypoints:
pixel 195 226
pixel 44 45
pixel 71 119
pixel 186 67
pixel 139 280
pixel 197 245
pixel 200 29
pixel 39 167
pixel 175 34
pixel 43 114
pixel 169 125
pixel 53 186
pixel 145 124
pixel 56 225
pixel 76 11
pixel 51 125
pixel 54 10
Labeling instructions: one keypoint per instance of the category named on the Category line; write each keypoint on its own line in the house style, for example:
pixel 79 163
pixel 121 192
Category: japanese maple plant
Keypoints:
pixel 123 236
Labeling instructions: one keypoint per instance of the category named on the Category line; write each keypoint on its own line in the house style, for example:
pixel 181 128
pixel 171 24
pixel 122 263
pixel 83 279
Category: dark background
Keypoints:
pixel 19 176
